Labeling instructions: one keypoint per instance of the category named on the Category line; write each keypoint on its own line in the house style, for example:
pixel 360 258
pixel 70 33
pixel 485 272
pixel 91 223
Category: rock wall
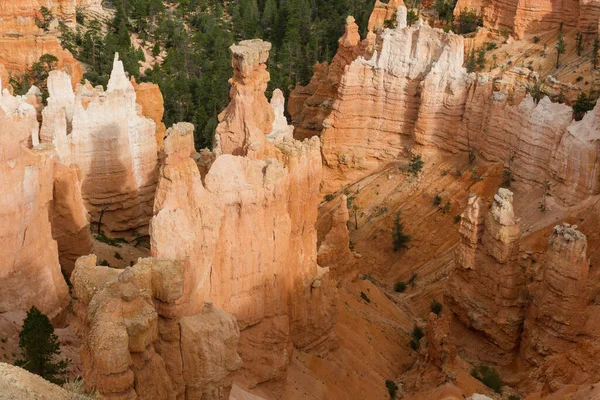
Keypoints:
pixel 486 289
pixel 557 314
pixel 245 232
pixel 136 345
pixel 114 146
pixel 378 101
pixel 149 96
pixel 30 274
pixel 535 16
pixel 22 42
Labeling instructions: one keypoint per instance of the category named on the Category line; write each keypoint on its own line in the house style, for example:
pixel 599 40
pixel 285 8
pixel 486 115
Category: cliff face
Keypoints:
pixel 149 96
pixel 22 42
pixel 267 200
pixel 114 146
pixel 485 290
pixel 136 345
pixel 533 16
pixel 557 314
pixel 31 273
pixel 378 100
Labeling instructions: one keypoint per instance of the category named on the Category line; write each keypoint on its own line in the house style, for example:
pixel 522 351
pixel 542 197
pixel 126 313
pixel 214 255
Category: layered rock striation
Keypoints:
pixel 31 272
pixel 135 343
pixel 557 314
pixel 245 231
pixel 534 16
pixel 105 134
pixel 22 42
pixel 486 289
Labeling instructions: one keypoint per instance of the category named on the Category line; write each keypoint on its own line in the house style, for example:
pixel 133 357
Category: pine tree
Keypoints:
pixel 400 239
pixel 39 346
pixel 579 41
pixel 481 59
pixel 560 47
pixel 595 52
pixel 471 61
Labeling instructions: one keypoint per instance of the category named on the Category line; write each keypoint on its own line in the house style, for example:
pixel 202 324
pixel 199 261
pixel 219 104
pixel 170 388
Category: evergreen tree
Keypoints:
pixel 595 52
pixel 481 59
pixel 561 48
pixel 400 239
pixel 579 43
pixel 39 346
pixel 471 61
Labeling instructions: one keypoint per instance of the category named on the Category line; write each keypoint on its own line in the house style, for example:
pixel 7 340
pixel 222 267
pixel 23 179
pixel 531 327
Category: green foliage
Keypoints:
pixel 595 49
pixel 118 256
pixel 39 347
pixel 436 307
pixel 437 200
pixel 399 286
pixel 416 164
pixel 329 197
pixel 471 64
pixel 392 388
pixel 79 17
pixel 365 297
pixel 561 48
pixel 37 76
pixel 447 208
pixel 115 242
pixel 416 334
pixel 579 43
pixel 44 22
pixel 412 17
pixel 536 90
pixel 399 238
pixel 457 219
pixel 514 397
pixel 583 104
pixel 445 9
pixel 481 59
pixel 489 377
pixel 468 21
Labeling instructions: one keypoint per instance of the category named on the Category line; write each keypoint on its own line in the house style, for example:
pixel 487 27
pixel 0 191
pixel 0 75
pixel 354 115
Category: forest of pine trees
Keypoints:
pixel 194 38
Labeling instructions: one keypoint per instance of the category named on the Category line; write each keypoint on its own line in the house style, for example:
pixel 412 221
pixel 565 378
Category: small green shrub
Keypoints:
pixel 416 164
pixel 365 297
pixel 118 256
pixel 414 344
pixel 417 333
pixel 329 197
pixel 457 219
pixel 392 388
pixel 447 208
pixel 399 286
pixel 489 377
pixel 436 307
pixel 437 200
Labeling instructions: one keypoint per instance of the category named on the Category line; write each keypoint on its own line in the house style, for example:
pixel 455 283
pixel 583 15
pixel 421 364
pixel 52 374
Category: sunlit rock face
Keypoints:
pixel 245 228
pixel 105 134
pixel 485 290
pixel 135 343
pixel 30 273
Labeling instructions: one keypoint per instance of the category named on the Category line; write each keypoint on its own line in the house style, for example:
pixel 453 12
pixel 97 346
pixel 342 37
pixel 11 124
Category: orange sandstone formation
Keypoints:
pixel 31 273
pixel 246 232
pixel 535 16
pixel 135 343
pixel 149 96
pixel 557 314
pixel 22 42
pixel 114 146
pixel 485 289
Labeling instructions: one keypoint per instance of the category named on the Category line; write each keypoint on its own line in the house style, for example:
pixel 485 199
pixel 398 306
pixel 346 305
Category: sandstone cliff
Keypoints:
pixel 136 344
pixel 246 232
pixel 31 272
pixel 114 146
pixel 22 42
pixel 557 314
pixel 149 96
pixel 486 290
pixel 535 16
